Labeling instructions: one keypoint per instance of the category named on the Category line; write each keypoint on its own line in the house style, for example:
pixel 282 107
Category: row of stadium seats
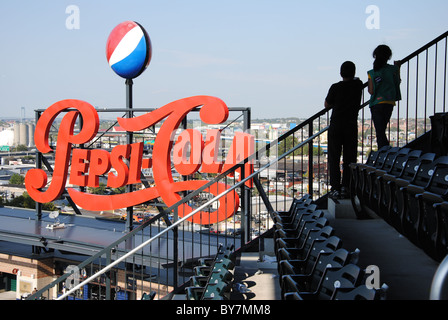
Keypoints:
pixel 409 190
pixel 312 264
pixel 212 279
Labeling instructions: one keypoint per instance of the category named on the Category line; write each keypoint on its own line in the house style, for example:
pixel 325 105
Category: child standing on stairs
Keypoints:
pixel 384 86
pixel 344 98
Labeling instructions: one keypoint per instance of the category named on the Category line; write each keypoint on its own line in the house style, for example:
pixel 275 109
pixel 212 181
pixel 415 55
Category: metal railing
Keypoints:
pixel 288 167
pixel 175 225
pixel 438 285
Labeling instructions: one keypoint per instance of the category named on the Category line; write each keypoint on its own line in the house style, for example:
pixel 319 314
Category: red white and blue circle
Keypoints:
pixel 128 49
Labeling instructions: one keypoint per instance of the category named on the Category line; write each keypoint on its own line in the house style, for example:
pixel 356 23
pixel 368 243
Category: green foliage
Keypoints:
pixel 291 141
pixel 49 206
pixel 20 147
pixel 25 201
pixel 100 190
pixel 17 179
pixel 103 189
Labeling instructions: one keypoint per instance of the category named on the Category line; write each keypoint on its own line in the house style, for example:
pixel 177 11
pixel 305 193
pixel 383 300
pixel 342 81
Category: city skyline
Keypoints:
pixel 277 58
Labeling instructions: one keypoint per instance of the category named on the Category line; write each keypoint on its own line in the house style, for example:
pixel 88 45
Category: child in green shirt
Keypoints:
pixel 384 87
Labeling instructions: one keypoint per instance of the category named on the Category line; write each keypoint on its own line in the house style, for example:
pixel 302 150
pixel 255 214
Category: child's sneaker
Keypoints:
pixel 334 194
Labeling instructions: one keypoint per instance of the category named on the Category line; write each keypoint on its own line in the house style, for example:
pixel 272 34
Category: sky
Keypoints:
pixel 276 57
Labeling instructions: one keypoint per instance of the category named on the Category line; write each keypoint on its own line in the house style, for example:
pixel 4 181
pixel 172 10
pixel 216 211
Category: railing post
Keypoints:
pixel 245 189
pixel 175 248
pixel 248 205
pixel 245 217
pixel 310 160
pixel 107 274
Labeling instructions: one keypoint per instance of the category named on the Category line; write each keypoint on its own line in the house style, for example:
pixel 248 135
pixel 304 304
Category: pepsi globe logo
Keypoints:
pixel 128 49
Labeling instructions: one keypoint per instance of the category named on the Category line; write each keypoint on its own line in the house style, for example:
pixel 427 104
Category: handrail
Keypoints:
pixel 440 277
pixel 180 221
pixel 429 44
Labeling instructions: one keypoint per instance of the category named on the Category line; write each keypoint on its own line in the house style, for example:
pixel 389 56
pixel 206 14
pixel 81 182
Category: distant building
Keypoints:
pixel 7 138
pixel 23 134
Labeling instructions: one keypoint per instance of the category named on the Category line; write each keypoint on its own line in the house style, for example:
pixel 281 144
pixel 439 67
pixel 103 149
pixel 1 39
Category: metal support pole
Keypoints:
pixel 175 249
pixel 263 194
pixel 247 199
pixel 129 188
pixel 245 214
pixel 108 261
pixel 81 146
pixel 129 139
pixel 310 160
pixel 38 166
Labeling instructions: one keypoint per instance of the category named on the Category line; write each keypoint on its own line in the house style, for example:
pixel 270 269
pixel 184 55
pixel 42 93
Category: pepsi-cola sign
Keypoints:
pixel 190 153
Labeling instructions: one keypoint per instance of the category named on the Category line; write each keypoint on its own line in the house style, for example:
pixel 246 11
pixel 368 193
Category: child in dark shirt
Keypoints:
pixel 344 98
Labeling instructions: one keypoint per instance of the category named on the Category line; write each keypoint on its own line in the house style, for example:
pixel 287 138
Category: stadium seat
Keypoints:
pixel 435 192
pixel 304 201
pixel 358 179
pixel 308 273
pixel 296 214
pixel 361 292
pixel 213 291
pixel 219 263
pixel 410 193
pixel 318 246
pixel 384 162
pixel 300 234
pixel 294 229
pixel 316 235
pixel 394 161
pixel 217 291
pixel 220 274
pixel 319 231
pixel 292 296
pixel 385 181
pixel 148 296
pixel 212 279
pixel 441 237
pixel 348 276
pixel 397 205
pixel 221 253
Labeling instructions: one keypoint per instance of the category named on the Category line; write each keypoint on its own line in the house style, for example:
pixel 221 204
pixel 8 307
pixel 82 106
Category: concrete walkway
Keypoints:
pixel 259 279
